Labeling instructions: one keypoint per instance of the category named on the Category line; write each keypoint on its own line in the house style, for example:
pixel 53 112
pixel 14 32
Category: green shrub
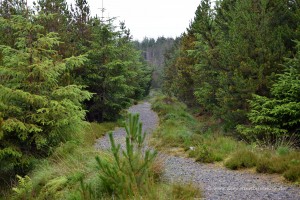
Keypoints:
pixel 223 146
pixel 241 159
pixel 271 164
pixel 211 148
pixel 185 192
pixel 24 188
pixel 204 154
pixel 263 165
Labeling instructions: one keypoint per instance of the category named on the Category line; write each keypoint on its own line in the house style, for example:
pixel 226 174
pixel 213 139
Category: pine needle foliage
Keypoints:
pixel 128 175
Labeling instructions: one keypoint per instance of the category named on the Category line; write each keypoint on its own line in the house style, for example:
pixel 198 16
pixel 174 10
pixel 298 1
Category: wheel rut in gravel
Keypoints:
pixel 217 183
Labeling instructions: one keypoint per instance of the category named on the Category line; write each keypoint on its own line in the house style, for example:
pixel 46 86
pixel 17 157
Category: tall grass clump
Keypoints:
pixel 241 159
pixel 215 148
pixel 281 161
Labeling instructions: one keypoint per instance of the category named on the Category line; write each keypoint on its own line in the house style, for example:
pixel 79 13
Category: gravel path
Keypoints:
pixel 217 183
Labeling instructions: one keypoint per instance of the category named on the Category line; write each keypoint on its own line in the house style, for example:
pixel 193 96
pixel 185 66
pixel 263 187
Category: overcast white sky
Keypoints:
pixel 151 18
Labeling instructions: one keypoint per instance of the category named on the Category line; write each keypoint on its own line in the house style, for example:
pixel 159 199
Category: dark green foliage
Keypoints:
pixel 279 115
pixel 128 175
pixel 241 159
pixel 37 112
pixel 56 17
pixel 179 70
pixel 113 73
pixel 13 7
pixel 81 33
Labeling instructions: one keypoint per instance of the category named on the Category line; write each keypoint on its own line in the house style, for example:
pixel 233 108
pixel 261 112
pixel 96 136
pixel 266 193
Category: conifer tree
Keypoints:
pixel 7 9
pixel 81 31
pixel 114 72
pixel 12 7
pixel 37 112
pixel 251 50
pixel 56 17
pixel 277 117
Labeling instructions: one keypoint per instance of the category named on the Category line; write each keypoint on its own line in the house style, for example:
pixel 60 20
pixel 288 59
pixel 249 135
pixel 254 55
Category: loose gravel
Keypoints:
pixel 216 182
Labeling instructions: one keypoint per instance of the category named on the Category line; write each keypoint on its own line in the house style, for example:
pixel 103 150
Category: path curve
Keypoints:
pixel 217 183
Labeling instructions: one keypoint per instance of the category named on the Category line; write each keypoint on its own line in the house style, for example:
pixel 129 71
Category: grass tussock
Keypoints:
pixel 287 164
pixel 293 174
pixel 185 192
pixel 241 159
pixel 215 148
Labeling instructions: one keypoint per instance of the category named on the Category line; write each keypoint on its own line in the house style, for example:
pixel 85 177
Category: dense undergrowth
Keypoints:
pixel 203 139
pixel 72 172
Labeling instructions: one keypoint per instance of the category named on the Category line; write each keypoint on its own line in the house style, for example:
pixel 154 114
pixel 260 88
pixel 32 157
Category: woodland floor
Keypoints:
pixel 216 182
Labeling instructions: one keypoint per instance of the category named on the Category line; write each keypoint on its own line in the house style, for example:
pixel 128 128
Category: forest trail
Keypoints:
pixel 217 183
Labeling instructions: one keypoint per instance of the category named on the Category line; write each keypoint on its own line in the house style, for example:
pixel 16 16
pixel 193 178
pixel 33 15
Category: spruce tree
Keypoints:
pixel 81 31
pixel 277 117
pixel 37 112
pixel 56 17
pixel 114 72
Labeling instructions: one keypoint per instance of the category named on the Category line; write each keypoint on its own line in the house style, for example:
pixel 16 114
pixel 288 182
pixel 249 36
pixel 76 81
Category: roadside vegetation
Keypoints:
pixel 203 138
pixel 76 170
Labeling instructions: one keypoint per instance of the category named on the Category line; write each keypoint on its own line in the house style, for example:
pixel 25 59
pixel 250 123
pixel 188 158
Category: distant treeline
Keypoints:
pixel 153 51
